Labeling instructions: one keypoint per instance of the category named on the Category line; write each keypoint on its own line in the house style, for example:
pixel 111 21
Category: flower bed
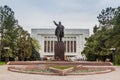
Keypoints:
pixel 61 69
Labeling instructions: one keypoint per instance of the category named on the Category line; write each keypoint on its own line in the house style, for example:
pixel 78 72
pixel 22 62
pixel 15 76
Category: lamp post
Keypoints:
pixel 7 55
pixel 1 37
pixel 0 45
pixel 113 54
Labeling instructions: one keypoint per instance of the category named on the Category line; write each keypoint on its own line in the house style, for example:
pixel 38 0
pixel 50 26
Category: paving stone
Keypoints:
pixel 8 75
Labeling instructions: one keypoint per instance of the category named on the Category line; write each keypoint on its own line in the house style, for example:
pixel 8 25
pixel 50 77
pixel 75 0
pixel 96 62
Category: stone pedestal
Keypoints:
pixel 59 51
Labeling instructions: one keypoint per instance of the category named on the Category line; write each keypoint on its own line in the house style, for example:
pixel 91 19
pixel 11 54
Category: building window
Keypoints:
pixel 68 46
pixel 69 43
pixel 51 46
pixel 45 45
pixel 71 46
pixel 74 46
pixel 48 46
pixel 65 45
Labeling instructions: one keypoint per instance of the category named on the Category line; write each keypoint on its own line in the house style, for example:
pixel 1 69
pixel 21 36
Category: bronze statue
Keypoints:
pixel 59 31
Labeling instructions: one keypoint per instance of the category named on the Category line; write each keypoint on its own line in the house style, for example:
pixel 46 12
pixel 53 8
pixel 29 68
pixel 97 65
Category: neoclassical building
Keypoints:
pixel 74 40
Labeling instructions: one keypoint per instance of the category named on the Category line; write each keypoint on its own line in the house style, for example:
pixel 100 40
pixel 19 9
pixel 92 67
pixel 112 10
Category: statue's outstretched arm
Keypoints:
pixel 55 23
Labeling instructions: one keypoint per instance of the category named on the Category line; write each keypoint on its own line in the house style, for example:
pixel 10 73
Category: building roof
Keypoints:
pixel 66 31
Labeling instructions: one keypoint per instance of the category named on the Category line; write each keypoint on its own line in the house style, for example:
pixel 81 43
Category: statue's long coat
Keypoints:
pixel 59 29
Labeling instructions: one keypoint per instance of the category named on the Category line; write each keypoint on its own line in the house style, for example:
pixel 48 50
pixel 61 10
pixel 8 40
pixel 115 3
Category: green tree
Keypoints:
pixel 36 44
pixel 96 45
pixel 18 40
pixel 115 38
pixel 105 37
pixel 24 45
pixel 35 54
pixel 95 29
pixel 106 17
pixel 35 50
pixel 7 26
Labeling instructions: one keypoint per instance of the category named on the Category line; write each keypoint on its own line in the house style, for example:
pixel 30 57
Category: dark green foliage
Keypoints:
pixel 35 55
pixel 106 36
pixel 7 27
pixel 117 59
pixel 15 37
pixel 95 29
pixel 106 16
pixel 91 57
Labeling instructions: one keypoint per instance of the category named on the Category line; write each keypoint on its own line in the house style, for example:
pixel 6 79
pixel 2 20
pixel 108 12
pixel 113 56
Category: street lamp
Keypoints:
pixel 0 46
pixel 2 32
pixel 113 54
pixel 7 55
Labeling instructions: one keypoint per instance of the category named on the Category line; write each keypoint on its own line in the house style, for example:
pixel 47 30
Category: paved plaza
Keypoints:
pixel 8 75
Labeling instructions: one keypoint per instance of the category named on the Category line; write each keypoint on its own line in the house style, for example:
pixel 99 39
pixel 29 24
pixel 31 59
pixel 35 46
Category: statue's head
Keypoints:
pixel 59 23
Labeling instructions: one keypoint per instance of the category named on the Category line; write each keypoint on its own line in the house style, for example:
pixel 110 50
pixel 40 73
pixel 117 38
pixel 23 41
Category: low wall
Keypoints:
pixel 52 63
pixel 25 66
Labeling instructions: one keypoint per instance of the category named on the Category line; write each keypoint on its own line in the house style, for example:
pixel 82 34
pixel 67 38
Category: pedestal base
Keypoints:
pixel 59 51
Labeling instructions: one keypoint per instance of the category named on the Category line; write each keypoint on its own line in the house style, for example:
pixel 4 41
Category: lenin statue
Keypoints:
pixel 59 31
pixel 59 44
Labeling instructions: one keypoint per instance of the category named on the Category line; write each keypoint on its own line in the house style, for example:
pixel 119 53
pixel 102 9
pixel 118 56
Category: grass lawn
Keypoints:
pixel 2 63
pixel 117 64
pixel 61 67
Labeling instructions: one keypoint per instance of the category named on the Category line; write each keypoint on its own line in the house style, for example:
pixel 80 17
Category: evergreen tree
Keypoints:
pixel 7 27
pixel 15 37
pixel 105 37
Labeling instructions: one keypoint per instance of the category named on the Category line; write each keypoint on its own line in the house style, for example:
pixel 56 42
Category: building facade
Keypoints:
pixel 74 40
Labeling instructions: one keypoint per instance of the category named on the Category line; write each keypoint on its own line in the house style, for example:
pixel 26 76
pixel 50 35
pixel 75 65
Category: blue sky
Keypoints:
pixel 72 13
